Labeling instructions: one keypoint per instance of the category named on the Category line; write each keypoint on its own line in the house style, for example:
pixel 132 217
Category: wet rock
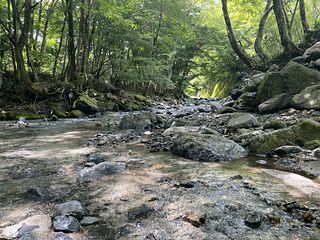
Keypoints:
pixel 39 194
pixel 61 236
pixel 274 124
pixel 142 121
pixel 86 104
pixel 316 153
pixel 292 79
pixel 305 131
pixel 66 224
pixel 207 148
pixel 87 221
pixel 274 104
pixel 243 121
pixel 287 150
pixel 253 220
pixel 225 110
pixel 197 219
pixel 140 212
pixel 101 169
pixel 72 208
pixel 308 99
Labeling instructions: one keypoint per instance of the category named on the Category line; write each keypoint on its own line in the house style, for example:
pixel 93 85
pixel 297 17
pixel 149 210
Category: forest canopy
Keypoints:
pixel 195 46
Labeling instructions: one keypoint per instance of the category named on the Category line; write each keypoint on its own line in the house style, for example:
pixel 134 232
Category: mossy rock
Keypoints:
pixel 76 114
pixel 275 124
pixel 132 106
pixel 27 116
pixel 86 104
pixel 304 132
pixel 311 145
pixel 108 106
pixel 143 99
pixel 57 110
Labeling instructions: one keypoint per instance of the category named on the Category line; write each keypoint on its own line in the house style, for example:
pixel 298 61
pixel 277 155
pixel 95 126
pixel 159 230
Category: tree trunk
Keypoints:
pixel 289 48
pixel 303 17
pixel 258 41
pixel 233 41
pixel 71 48
pixel 54 71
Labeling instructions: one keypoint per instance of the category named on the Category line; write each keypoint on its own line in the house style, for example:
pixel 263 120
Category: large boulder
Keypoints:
pixel 300 134
pixel 243 121
pixel 292 79
pixel 309 98
pixel 312 53
pixel 207 148
pixel 252 83
pixel 142 121
pixel 86 104
pixel 274 104
pixel 101 169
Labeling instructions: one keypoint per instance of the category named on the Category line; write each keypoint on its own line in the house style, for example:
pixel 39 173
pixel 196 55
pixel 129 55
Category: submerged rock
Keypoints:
pixel 101 169
pixel 66 224
pixel 207 148
pixel 305 131
pixel 309 98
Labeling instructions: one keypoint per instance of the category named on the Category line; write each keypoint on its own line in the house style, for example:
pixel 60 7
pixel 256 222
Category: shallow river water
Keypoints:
pixel 161 188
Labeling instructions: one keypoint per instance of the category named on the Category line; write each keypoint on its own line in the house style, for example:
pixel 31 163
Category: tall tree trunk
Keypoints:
pixel 54 71
pixel 288 45
pixel 233 41
pixel 71 69
pixel 303 17
pixel 258 41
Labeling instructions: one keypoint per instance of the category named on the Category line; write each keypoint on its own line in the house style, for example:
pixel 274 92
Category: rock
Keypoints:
pixel 197 219
pixel 224 110
pixel 61 236
pixel 308 99
pixel 253 220
pixel 215 106
pixel 252 83
pixel 57 110
pixel 22 122
pixel 274 104
pixel 142 121
pixel 140 212
pixel 316 153
pixel 76 114
pixel 243 121
pixel 274 124
pixel 292 79
pixel 95 158
pixel 173 131
pixel 312 53
pixel 86 104
pixel 287 150
pixel 72 208
pixel 87 221
pixel 207 148
pixel 261 162
pixel 39 194
pixel 66 224
pixel 101 169
pixel 236 93
pixel 308 216
pixel 305 131
pixel 246 102
pixel 103 232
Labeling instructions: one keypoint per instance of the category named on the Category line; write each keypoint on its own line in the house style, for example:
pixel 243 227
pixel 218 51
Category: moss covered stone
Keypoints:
pixel 311 145
pixel 27 116
pixel 304 132
pixel 86 104
pixel 76 114
pixel 143 99
pixel 57 110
